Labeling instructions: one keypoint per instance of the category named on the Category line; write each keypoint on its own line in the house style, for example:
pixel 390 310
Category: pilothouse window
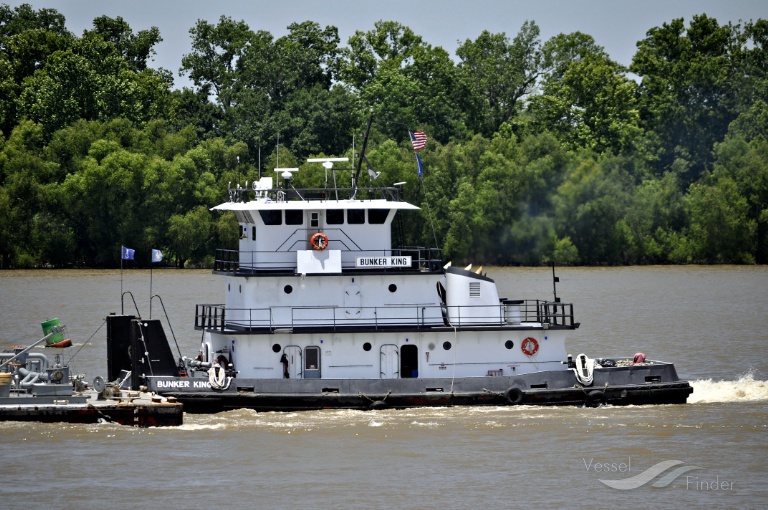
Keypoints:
pixel 356 216
pixel 377 216
pixel 294 217
pixel 334 216
pixel 271 217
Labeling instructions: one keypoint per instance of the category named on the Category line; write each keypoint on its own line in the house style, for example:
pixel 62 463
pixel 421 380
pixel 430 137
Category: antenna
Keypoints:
pixel 286 173
pixel 328 165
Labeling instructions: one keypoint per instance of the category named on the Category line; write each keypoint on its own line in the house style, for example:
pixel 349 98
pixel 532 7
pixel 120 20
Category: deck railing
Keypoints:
pixel 251 262
pixel 217 317
pixel 327 194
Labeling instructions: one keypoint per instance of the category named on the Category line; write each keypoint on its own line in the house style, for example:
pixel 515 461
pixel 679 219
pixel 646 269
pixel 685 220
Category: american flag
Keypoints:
pixel 418 139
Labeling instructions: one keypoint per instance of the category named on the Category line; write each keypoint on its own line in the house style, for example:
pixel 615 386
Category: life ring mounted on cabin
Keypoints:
pixel 319 241
pixel 530 346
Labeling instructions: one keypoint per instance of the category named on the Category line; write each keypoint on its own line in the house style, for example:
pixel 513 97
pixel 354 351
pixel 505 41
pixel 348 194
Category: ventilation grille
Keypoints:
pixel 474 289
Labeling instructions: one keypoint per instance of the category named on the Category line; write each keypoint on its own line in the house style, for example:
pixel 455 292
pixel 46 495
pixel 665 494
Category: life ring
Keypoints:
pixel 596 398
pixel 530 346
pixel 319 241
pixel 514 396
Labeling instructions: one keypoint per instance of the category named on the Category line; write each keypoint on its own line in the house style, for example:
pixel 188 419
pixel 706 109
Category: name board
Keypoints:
pixel 177 384
pixel 404 261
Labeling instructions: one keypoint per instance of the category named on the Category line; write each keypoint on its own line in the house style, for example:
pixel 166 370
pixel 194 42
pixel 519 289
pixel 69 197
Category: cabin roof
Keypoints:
pixel 312 205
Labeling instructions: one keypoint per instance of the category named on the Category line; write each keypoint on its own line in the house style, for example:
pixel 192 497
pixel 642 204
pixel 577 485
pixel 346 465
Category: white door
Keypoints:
pixel 295 361
pixel 390 362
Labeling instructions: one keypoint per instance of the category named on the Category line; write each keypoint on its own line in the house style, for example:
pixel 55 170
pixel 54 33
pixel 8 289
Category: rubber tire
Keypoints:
pixel 514 396
pixel 596 398
pixel 378 404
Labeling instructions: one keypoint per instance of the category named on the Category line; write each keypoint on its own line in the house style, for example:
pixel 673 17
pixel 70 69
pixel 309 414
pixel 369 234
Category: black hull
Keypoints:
pixel 614 386
pixel 214 403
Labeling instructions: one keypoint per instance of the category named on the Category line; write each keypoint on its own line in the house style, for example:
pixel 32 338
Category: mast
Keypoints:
pixel 362 156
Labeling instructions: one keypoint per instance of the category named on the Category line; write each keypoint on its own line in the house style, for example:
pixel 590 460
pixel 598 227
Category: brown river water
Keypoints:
pixel 711 321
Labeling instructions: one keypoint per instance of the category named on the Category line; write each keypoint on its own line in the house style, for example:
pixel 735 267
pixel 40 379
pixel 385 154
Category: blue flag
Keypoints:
pixel 127 253
pixel 420 166
pixel 157 256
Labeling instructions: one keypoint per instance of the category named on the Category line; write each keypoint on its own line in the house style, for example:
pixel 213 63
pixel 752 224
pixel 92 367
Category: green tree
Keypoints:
pixel 137 48
pixel 405 82
pixel 216 51
pixel 189 234
pixel 589 104
pixel 23 173
pixel 92 81
pixel 27 39
pixel 590 207
pixel 720 230
pixel 655 214
pixel 692 88
pixel 743 157
pixel 501 73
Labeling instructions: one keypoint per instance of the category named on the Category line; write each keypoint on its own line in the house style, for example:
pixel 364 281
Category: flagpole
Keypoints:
pixel 122 310
pixel 151 263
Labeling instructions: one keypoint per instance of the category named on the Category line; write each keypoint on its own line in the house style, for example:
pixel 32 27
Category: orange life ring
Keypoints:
pixel 319 241
pixel 530 346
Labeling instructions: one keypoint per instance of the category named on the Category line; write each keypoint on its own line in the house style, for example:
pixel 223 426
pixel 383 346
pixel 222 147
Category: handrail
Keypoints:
pixel 122 298
pixel 419 316
pixel 168 320
pixel 244 262
pixel 239 194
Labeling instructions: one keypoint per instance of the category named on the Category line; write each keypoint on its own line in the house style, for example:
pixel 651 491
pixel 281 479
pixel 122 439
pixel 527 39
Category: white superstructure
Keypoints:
pixel 318 289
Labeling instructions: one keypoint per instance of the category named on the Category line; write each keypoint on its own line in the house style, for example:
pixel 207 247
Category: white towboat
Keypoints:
pixel 322 309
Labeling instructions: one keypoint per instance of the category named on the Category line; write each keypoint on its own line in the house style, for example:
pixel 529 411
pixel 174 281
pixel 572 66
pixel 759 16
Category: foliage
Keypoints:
pixel 538 151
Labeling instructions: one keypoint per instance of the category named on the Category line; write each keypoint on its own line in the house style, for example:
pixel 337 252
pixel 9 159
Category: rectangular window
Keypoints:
pixel 293 217
pixel 377 216
pixel 334 216
pixel 314 220
pixel 271 217
pixel 355 216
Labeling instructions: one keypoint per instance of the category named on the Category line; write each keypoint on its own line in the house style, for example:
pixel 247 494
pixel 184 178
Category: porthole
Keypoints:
pixel 447 346
pixel 509 344
pixel 392 287
pixel 276 348
pixel 367 346
pixel 288 289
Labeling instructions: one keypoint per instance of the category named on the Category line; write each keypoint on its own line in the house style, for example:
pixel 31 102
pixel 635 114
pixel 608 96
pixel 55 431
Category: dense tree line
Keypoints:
pixel 538 150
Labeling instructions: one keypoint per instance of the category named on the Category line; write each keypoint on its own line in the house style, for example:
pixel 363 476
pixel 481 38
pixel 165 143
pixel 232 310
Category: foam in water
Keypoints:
pixel 744 389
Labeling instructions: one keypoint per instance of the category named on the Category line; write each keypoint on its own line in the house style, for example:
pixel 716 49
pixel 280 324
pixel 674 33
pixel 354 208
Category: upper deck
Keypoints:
pixel 325 230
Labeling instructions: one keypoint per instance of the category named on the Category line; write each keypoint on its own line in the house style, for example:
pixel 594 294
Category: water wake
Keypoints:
pixel 745 389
